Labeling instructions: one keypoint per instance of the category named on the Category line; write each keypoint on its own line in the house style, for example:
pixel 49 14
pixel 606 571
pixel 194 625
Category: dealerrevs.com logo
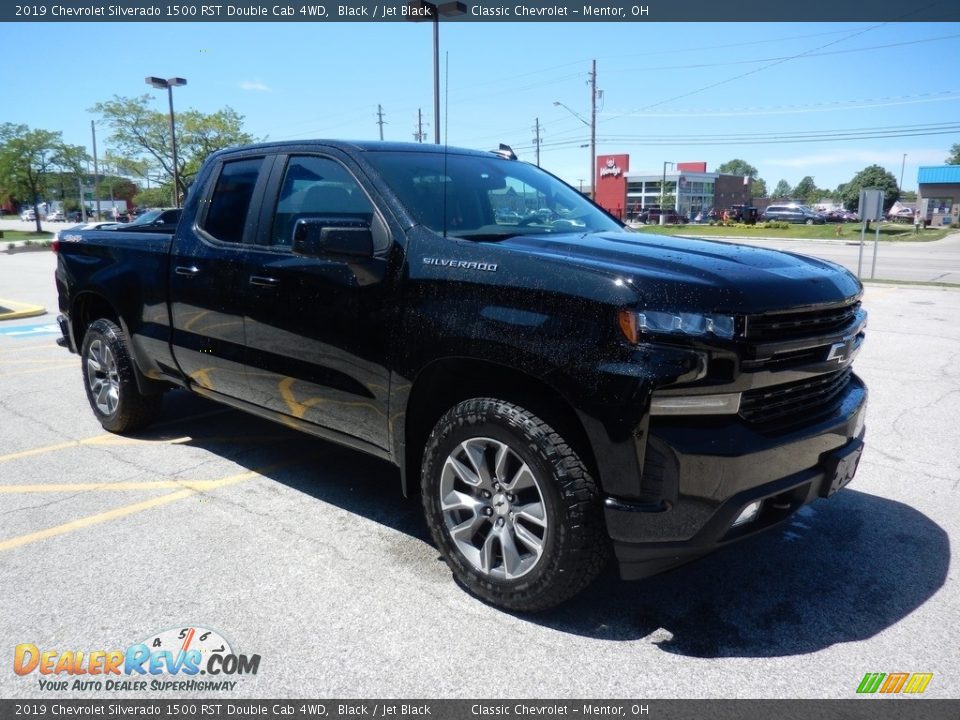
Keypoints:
pixel 171 660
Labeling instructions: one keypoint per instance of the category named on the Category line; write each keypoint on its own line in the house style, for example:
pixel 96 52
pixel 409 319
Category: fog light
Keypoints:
pixel 748 514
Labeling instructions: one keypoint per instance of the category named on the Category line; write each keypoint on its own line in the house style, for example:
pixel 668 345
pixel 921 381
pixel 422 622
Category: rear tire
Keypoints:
pixel 511 506
pixel 110 382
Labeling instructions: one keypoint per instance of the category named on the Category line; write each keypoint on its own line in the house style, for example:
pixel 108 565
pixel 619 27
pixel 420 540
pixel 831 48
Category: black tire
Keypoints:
pixel 573 544
pixel 108 377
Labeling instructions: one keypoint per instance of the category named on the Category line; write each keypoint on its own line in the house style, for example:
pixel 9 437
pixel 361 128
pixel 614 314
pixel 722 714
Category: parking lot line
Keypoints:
pixel 38 370
pixel 105 439
pixel 122 511
pixel 111 487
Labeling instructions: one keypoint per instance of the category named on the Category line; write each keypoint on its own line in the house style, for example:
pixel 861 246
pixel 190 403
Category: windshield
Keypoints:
pixel 483 198
pixel 147 218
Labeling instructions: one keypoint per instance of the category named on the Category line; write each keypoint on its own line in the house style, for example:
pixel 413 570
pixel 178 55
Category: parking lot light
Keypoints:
pixel 170 84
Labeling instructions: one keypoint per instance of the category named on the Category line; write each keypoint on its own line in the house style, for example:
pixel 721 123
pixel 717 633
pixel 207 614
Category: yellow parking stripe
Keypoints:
pixel 105 439
pixel 69 363
pixel 119 512
pixel 111 487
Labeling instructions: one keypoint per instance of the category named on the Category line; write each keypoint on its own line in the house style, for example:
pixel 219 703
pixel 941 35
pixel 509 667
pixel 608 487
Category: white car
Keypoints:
pixel 28 215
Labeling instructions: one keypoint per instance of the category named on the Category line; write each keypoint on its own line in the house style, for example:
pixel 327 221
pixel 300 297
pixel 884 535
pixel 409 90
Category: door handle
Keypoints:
pixel 263 281
pixel 188 270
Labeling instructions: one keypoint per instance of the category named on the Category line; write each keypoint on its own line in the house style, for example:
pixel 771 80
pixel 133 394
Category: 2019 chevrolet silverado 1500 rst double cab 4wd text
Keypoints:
pixel 557 389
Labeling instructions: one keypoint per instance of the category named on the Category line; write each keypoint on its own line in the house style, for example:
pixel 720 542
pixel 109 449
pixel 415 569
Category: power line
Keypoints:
pixel 775 138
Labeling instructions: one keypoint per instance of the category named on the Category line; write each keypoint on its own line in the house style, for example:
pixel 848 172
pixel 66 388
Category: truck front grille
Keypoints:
pixel 789 325
pixel 780 407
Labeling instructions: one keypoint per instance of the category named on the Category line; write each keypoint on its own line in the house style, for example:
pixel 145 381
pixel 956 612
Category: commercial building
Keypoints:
pixel 938 194
pixel 687 187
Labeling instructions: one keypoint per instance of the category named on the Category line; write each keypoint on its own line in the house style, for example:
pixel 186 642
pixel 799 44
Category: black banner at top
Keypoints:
pixel 481 11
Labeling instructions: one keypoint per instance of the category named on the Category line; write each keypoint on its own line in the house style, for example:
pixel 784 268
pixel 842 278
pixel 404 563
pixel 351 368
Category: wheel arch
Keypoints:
pixel 89 306
pixel 446 382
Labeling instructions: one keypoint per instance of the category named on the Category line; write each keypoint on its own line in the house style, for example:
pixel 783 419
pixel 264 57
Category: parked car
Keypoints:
pixel 743 214
pixel 792 214
pixel 28 215
pixel 161 220
pixel 57 216
pixel 834 216
pixel 652 217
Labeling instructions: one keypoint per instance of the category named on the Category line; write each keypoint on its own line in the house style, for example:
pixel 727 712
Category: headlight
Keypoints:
pixel 632 323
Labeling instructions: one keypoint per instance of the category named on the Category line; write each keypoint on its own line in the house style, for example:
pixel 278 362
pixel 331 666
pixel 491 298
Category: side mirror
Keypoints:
pixel 334 238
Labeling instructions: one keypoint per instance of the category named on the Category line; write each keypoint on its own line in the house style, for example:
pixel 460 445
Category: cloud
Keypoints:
pixel 255 85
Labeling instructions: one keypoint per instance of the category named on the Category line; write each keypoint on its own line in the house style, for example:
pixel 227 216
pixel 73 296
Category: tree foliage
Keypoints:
pixel 758 188
pixel 806 190
pixel 28 159
pixel 782 189
pixel 954 158
pixel 153 197
pixel 873 176
pixel 738 167
pixel 141 136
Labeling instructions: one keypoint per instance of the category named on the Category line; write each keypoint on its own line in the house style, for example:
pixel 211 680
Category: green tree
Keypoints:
pixel 873 176
pixel 758 188
pixel 738 167
pixel 954 158
pixel 70 163
pixel 806 190
pixel 153 197
pixel 782 190
pixel 141 136
pixel 27 161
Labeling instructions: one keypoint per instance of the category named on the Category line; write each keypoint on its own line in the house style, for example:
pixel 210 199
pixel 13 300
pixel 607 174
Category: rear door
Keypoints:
pixel 318 328
pixel 209 268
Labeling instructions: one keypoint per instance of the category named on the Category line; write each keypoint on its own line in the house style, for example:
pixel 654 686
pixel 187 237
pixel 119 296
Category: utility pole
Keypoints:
pixel 380 120
pixel 418 134
pixel 536 139
pixel 593 130
pixel 96 171
pixel 902 166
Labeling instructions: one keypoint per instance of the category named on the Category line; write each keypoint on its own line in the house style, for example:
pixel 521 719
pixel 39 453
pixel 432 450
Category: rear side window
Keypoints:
pixel 230 203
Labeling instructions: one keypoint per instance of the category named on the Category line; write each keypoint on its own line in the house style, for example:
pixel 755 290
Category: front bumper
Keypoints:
pixel 708 471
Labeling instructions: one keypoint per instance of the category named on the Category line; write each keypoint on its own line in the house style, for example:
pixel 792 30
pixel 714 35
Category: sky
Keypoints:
pixel 671 92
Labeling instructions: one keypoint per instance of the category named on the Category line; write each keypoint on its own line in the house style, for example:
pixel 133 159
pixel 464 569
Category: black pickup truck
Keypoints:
pixel 556 388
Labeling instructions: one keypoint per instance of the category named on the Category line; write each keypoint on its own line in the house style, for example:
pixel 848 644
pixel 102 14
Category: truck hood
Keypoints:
pixel 679 272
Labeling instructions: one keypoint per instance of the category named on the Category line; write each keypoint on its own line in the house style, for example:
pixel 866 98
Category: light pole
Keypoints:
pixel 170 84
pixel 423 10
pixel 903 164
pixel 663 186
pixel 592 146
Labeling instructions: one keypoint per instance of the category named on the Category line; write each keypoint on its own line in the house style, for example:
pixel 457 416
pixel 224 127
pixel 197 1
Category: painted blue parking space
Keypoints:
pixel 30 331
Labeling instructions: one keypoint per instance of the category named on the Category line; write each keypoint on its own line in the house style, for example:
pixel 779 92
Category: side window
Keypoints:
pixel 227 214
pixel 315 187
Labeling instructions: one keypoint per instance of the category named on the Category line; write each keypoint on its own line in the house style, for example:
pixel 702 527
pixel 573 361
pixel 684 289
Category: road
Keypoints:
pixel 306 554
pixel 935 261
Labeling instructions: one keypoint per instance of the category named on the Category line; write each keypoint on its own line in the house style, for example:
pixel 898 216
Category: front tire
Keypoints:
pixel 511 506
pixel 110 382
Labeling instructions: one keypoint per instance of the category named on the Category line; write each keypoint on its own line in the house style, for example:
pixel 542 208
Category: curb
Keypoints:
pixel 10 310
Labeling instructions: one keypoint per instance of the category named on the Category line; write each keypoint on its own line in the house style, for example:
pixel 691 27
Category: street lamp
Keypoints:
pixel 423 10
pixel 592 146
pixel 663 185
pixel 170 84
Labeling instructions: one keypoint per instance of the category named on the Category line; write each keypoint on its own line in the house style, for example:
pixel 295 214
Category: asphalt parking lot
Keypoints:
pixel 307 555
